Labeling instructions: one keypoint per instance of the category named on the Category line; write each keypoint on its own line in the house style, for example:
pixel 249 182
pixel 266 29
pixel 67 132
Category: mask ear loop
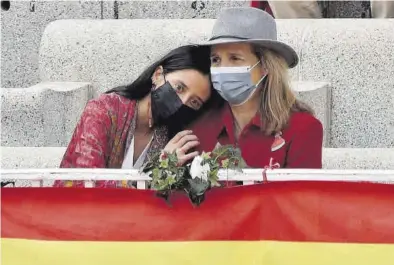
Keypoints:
pixel 261 80
pixel 150 120
pixel 256 85
pixel 149 110
pixel 253 66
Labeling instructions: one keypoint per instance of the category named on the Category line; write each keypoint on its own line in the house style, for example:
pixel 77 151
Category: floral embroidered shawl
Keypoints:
pixel 102 136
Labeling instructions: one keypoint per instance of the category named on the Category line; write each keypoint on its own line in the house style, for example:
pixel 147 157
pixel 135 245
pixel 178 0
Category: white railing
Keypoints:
pixel 248 176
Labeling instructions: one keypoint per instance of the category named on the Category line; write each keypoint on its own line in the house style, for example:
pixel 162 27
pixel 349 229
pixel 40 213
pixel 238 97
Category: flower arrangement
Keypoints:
pixel 194 178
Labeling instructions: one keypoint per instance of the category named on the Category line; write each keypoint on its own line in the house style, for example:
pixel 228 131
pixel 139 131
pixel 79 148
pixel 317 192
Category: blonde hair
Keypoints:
pixel 278 101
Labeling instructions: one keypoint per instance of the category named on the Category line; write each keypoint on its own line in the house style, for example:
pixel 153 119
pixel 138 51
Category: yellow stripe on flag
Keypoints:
pixel 36 252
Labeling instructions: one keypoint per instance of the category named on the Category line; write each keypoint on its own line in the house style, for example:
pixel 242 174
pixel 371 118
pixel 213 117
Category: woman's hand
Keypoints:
pixel 181 144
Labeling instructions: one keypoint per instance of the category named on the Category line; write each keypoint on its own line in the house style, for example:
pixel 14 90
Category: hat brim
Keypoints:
pixel 287 52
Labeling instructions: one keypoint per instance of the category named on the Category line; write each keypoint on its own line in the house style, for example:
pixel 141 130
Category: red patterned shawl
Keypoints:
pixel 102 135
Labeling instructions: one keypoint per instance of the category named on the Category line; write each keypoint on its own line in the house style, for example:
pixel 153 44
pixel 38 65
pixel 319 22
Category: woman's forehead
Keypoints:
pixel 240 48
pixel 187 74
pixel 189 77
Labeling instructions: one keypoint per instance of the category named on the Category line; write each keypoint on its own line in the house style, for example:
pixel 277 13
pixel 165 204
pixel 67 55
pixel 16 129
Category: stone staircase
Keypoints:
pixel 346 73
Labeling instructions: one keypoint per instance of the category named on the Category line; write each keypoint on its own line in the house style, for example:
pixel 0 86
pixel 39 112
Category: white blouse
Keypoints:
pixel 129 158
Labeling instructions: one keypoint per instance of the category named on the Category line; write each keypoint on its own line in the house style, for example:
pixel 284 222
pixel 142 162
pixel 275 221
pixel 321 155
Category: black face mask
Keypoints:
pixel 167 107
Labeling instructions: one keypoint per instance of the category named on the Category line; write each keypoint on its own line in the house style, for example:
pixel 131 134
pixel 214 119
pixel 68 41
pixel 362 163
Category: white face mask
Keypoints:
pixel 234 84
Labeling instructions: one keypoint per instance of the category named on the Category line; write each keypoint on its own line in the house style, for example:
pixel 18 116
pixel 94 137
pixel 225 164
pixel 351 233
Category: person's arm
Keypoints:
pixel 305 150
pixel 89 146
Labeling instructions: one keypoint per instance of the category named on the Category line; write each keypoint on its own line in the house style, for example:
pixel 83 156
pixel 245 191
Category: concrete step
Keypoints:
pixel 46 114
pixel 42 115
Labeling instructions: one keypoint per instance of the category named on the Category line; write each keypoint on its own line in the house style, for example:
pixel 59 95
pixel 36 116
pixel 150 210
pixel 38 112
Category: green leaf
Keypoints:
pixel 225 163
pixel 170 180
pixel 214 183
pixel 164 163
pixel 213 178
pixel 161 174
pixel 173 159
pixel 155 173
pixel 196 190
pixel 163 185
pixel 198 186
pixel 205 156
pixel 213 175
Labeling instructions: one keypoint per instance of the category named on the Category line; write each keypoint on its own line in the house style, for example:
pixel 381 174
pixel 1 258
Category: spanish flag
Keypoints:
pixel 278 223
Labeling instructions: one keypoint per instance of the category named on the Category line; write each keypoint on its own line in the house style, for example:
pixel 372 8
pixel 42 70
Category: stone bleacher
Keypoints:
pixel 346 73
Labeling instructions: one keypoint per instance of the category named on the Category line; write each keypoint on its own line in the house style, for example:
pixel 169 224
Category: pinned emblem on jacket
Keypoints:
pixel 278 143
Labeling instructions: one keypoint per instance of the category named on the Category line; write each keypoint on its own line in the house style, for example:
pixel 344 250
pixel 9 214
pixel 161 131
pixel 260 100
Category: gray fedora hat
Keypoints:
pixel 250 25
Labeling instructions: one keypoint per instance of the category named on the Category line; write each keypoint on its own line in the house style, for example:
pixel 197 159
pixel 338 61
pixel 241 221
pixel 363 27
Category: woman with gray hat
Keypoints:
pixel 261 116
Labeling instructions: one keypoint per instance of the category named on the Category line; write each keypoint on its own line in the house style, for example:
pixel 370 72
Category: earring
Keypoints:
pixel 150 123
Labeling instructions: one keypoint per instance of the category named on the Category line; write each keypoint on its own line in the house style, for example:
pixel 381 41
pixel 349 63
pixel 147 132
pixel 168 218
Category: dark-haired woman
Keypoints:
pixel 126 125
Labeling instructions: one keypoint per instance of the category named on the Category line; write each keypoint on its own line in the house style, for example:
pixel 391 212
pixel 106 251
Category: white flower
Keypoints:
pixel 199 171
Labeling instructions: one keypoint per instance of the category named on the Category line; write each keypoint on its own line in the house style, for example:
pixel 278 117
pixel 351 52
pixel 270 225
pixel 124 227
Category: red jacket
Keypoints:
pixel 299 145
pixel 264 5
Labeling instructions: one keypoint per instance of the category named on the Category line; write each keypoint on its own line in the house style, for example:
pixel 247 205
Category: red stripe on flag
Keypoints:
pixel 288 211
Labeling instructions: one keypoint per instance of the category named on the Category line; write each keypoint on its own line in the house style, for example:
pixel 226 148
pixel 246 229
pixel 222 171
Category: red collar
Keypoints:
pixel 227 121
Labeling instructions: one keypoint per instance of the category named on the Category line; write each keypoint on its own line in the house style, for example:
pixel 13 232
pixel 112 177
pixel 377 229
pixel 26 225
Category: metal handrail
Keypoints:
pixel 229 175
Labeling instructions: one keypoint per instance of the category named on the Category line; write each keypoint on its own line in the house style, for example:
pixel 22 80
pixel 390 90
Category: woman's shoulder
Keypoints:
pixel 304 121
pixel 110 102
pixel 211 118
pixel 112 98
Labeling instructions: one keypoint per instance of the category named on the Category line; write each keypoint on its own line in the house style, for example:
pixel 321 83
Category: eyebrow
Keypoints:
pixel 184 85
pixel 236 53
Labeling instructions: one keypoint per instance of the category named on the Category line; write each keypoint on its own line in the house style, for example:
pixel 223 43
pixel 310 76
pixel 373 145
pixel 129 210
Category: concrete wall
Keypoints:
pixel 23 24
pixel 346 9
pixel 21 30
pixel 361 108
